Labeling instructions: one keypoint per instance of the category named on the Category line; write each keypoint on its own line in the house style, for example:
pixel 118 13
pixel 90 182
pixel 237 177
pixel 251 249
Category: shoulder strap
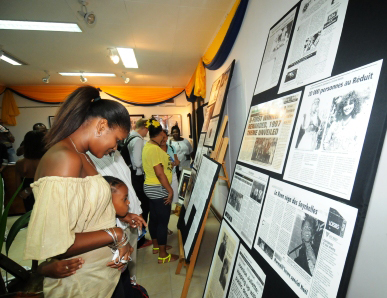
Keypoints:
pixel 130 138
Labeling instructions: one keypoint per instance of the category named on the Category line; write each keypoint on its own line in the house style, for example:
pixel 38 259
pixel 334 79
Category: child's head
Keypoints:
pixel 119 195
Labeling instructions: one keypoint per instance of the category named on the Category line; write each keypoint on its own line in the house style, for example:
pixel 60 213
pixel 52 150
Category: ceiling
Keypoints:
pixel 168 37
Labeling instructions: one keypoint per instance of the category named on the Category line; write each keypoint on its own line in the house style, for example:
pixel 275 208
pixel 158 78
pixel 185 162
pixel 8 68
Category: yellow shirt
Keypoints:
pixel 152 155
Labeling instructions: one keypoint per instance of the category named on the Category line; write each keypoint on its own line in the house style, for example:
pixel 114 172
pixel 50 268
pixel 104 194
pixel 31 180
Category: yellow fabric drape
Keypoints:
pixel 49 94
pixel 217 42
pixel 198 79
pixel 9 109
pixel 141 95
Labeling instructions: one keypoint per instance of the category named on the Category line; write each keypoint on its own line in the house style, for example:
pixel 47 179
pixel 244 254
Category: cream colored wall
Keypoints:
pixel 32 112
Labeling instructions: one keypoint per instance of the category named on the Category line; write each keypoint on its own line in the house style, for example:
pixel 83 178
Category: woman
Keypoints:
pixel 73 213
pixel 183 149
pixel 310 128
pixel 171 151
pixel 157 186
pixel 342 135
pixel 26 167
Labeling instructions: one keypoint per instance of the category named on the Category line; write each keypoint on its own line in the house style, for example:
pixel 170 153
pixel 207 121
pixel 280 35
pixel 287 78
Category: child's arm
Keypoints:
pixel 60 268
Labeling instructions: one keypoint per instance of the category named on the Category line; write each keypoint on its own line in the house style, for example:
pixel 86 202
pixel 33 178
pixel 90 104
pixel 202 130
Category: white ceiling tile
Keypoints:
pixel 204 19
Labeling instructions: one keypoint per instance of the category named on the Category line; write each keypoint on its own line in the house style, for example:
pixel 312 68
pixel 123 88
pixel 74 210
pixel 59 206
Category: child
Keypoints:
pixel 55 268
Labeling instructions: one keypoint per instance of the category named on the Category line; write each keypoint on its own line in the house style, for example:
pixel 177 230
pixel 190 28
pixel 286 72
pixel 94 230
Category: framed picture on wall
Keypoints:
pixel 134 119
pixel 51 120
pixel 167 121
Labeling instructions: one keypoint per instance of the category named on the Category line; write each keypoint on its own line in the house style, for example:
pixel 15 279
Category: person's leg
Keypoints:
pixel 163 213
pixel 153 222
pixel 138 185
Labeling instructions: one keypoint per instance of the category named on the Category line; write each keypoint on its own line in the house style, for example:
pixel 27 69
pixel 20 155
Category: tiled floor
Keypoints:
pixel 158 280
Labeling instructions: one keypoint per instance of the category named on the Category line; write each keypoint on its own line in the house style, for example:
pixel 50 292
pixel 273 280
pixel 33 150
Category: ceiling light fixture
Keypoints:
pixel 83 79
pixel 88 74
pixel 47 78
pixel 114 55
pixel 89 17
pixel 11 60
pixel 39 26
pixel 125 78
pixel 128 58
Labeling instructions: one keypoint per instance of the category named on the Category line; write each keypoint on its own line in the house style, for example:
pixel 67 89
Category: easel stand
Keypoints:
pixel 217 155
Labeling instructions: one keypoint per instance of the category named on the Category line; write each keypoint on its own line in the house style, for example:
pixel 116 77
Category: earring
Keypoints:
pixel 98 135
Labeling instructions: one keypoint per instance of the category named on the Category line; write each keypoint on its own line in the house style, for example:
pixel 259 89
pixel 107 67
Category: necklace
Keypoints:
pixel 86 156
pixel 155 142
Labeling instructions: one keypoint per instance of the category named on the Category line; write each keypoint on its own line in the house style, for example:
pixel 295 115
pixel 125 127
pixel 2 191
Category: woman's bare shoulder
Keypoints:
pixel 60 161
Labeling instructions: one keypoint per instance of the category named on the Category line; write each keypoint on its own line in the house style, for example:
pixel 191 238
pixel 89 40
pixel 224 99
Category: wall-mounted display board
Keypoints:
pixel 198 203
pixel 314 45
pixel 313 211
pixel 216 104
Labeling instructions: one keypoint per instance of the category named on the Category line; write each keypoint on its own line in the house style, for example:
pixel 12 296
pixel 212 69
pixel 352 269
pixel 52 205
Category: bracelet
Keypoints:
pixel 111 235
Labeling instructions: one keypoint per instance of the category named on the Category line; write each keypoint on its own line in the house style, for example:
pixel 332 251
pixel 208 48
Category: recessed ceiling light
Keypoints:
pixel 86 74
pixel 8 58
pixel 40 26
pixel 128 57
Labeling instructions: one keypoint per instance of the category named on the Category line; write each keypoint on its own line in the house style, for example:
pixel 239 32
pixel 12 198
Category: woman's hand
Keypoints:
pixel 60 268
pixel 168 200
pixel 124 254
pixel 134 220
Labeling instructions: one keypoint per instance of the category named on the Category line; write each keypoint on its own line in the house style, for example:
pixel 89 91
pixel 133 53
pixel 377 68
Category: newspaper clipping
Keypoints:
pixel 222 263
pixel 330 131
pixel 274 56
pixel 314 44
pixel 200 194
pixel 200 151
pixel 267 134
pixel 305 238
pixel 245 201
pixel 248 279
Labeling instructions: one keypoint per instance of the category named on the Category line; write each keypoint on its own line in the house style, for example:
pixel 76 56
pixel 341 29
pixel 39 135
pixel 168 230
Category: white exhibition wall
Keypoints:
pixel 32 112
pixel 367 278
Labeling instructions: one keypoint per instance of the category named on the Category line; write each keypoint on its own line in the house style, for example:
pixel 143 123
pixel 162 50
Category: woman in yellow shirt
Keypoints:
pixel 158 177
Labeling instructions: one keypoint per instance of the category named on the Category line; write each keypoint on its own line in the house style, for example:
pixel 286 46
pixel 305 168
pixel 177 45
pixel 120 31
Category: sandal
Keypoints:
pixel 156 249
pixel 167 259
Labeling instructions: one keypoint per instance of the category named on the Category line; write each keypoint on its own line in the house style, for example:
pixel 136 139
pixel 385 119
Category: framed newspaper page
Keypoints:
pixel 222 263
pixel 183 184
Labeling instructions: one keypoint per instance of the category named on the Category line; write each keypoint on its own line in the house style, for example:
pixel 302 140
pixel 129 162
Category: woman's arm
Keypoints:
pixel 159 171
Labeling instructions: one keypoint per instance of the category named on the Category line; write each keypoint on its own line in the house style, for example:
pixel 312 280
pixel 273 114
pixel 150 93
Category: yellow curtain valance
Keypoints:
pixel 197 83
pixel 131 95
pixel 9 109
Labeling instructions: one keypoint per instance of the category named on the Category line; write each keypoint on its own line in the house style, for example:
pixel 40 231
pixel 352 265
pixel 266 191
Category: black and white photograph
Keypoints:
pixel 291 75
pixel 235 199
pixel 264 150
pixel 305 241
pixel 257 191
pixel 282 37
pixel 311 42
pixel 211 132
pixel 224 273
pixel 311 128
pixel 343 120
pixel 184 185
pixel 223 247
pixel 266 248
pixel 189 189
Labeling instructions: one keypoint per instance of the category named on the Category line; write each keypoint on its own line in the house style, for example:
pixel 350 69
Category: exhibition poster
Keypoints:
pixel 245 201
pixel 188 192
pixel 207 117
pixel 199 151
pixel 305 238
pixel 274 55
pixel 202 191
pixel 248 279
pixel 183 184
pixel 330 131
pixel 222 86
pixel 267 133
pixel 315 41
pixel 222 263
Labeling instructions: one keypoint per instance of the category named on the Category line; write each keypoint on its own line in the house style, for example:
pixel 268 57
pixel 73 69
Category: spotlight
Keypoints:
pixel 113 55
pixel 89 17
pixel 83 79
pixel 125 78
pixel 47 78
